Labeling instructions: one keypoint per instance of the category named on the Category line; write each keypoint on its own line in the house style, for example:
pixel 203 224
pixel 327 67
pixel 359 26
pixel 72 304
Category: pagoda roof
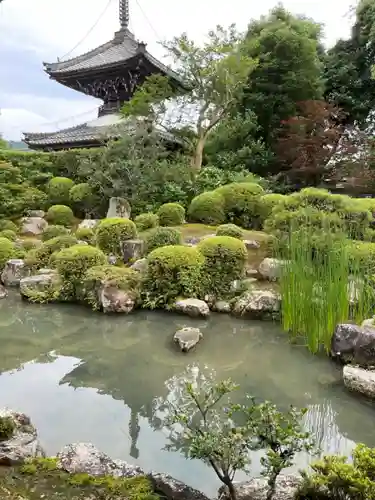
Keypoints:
pixel 120 51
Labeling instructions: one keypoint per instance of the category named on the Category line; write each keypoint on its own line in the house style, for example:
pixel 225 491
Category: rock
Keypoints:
pixel 46 270
pixel 3 292
pixel 13 272
pixel 354 344
pixel 172 489
pixel 23 444
pixel 85 458
pixel 221 306
pixel 187 338
pixel 132 250
pixel 258 304
pixel 112 259
pixel 270 269
pixel 192 240
pixel 38 284
pixel 359 380
pixel 251 244
pixel 33 226
pixel 368 323
pixel 119 207
pixel 114 300
pixel 192 307
pixel 242 285
pixel 37 213
pixel 88 224
pixel 251 273
pixel 256 489
pixel 140 265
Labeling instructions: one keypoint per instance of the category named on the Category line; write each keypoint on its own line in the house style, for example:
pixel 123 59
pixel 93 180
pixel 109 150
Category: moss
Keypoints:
pixel 171 214
pixel 9 234
pixel 146 221
pixel 112 232
pixel 241 202
pixel 60 215
pixel 161 237
pixel 85 234
pixel 7 251
pixel 7 428
pixel 230 230
pixel 53 231
pixel 207 208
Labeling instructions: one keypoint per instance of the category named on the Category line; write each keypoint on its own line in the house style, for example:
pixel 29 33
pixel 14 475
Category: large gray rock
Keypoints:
pixel 251 244
pixel 257 488
pixel 258 304
pixel 270 269
pixel 13 272
pixel 140 265
pixel 187 338
pixel 132 250
pixel 194 308
pixel 88 224
pixel 119 207
pixel 114 300
pixel 23 444
pixel 172 489
pixel 221 306
pixel 33 226
pixel 39 284
pixel 354 344
pixel 85 458
pixel 37 213
pixel 359 380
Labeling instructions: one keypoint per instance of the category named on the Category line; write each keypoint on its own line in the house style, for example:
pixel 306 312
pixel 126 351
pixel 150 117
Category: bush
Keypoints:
pixel 120 277
pixel 230 230
pixel 225 259
pixel 112 232
pixel 7 428
pixel 241 200
pixel 171 214
pixel 8 224
pixel 207 208
pixel 30 243
pixel 60 215
pixel 146 221
pixel 72 264
pixel 7 251
pixel 362 256
pixel 58 190
pixel 266 204
pixel 85 234
pixel 161 237
pixel 53 231
pixel 173 271
pixel 82 198
pixel 9 234
pixel 41 257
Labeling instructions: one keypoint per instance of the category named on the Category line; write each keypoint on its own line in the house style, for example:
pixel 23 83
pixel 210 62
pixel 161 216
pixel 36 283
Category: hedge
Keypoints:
pixel 146 221
pixel 171 214
pixel 161 237
pixel 230 230
pixel 110 234
pixel 207 208
pixel 60 215
pixel 241 203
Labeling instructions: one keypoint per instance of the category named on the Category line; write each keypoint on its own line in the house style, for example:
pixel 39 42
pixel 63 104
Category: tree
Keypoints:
pixel 3 143
pixel 213 74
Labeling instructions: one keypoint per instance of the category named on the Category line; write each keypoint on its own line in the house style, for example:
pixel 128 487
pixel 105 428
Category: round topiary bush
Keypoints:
pixel 241 201
pixel 8 224
pixel 53 231
pixel 266 204
pixel 82 197
pixel 207 208
pixel 171 214
pixel 230 230
pixel 146 221
pixel 60 215
pixel 30 243
pixel 9 234
pixel 7 428
pixel 173 271
pixel 161 237
pixel 58 190
pixel 72 264
pixel 85 234
pixel 41 256
pixel 7 251
pixel 225 259
pixel 110 233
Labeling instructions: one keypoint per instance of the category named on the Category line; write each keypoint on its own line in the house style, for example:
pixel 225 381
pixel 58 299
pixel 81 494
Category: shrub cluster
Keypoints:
pixel 9 234
pixel 85 234
pixel 241 201
pixel 146 221
pixel 171 214
pixel 60 215
pixel 41 256
pixel 7 251
pixel 8 224
pixel 110 234
pixel 230 230
pixel 207 208
pixel 7 428
pixel 161 237
pixel 58 190
pixel 53 231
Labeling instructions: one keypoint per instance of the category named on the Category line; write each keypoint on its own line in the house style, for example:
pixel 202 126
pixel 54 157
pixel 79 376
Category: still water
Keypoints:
pixel 82 376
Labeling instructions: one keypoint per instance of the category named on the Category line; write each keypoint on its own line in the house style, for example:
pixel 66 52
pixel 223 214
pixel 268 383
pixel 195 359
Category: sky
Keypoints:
pixel 33 31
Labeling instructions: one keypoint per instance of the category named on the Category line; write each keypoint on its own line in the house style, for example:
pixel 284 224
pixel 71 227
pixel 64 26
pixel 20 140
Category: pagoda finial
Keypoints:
pixel 124 14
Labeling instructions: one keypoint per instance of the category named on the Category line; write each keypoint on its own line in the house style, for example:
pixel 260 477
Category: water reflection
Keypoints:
pixel 85 377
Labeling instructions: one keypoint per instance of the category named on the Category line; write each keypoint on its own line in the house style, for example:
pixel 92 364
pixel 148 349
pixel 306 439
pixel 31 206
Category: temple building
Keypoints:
pixel 111 72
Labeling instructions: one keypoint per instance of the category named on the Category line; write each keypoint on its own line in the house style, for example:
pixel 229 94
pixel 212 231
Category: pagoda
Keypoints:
pixel 112 72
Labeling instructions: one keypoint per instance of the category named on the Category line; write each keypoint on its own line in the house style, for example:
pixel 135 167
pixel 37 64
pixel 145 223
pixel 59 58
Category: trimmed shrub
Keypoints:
pixel 72 264
pixel 173 271
pixel 82 198
pixel 146 221
pixel 9 234
pixel 60 215
pixel 7 428
pixel 161 237
pixel 110 233
pixel 171 214
pixel 7 251
pixel 8 224
pixel 120 277
pixel 225 259
pixel 230 230
pixel 241 201
pixel 30 243
pixel 362 256
pixel 53 231
pixel 207 208
pixel 41 257
pixel 58 190
pixel 86 234
pixel 266 204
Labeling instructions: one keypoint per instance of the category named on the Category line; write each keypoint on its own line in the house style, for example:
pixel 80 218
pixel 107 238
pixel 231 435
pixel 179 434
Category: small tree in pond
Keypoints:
pixel 214 75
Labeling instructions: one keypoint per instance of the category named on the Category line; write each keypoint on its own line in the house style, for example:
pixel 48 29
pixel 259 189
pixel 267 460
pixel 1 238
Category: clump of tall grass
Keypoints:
pixel 321 286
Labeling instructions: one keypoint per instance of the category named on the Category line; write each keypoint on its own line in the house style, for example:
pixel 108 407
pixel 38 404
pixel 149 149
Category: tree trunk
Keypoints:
pixel 232 490
pixel 196 161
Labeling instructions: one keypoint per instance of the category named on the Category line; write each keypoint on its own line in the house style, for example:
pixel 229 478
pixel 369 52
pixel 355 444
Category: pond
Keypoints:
pixel 83 376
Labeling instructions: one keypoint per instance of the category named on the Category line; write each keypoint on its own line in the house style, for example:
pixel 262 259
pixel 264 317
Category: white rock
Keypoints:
pixel 257 488
pixel 192 307
pixel 13 272
pixel 119 207
pixel 41 283
pixel 88 224
pixel 37 213
pixel 187 338
pixel 171 489
pixel 114 300
pixel 270 269
pixel 221 306
pixel 140 265
pixel 359 380
pixel 251 244
pixel 33 226
pixel 258 304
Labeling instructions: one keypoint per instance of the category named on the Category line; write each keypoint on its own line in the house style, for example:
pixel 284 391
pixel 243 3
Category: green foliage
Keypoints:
pixel 207 208
pixel 230 230
pixel 53 231
pixel 30 243
pixel 241 202
pixel 58 190
pixel 161 237
pixel 85 234
pixel 16 199
pixel 7 428
pixel 83 199
pixel 8 224
pixel 224 262
pixel 41 256
pixel 171 214
pixel 60 215
pixel 173 271
pixel 362 256
pixel 146 221
pixel 9 234
pixel 110 234
pixel 333 478
pixel 266 204
pixel 7 251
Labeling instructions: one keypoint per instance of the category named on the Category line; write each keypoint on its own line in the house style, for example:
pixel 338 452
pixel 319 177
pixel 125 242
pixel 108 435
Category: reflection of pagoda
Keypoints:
pixel 111 72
